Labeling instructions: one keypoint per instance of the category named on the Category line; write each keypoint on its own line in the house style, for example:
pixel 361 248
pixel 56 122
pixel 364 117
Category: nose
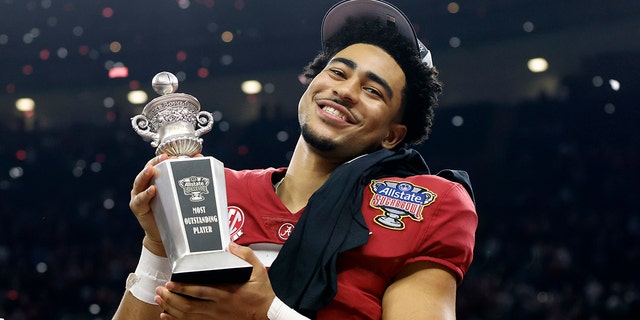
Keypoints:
pixel 348 89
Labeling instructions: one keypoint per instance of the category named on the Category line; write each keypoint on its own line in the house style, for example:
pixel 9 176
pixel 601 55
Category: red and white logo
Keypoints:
pixel 399 199
pixel 236 221
pixel 285 230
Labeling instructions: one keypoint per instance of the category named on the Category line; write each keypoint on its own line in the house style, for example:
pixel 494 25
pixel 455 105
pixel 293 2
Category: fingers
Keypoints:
pixel 141 182
pixel 197 291
pixel 179 305
pixel 142 191
pixel 140 201
pixel 246 254
pixel 259 272
pixel 166 316
pixel 143 179
pixel 170 303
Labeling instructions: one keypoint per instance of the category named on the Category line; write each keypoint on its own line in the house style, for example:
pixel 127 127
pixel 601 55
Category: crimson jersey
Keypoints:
pixel 418 218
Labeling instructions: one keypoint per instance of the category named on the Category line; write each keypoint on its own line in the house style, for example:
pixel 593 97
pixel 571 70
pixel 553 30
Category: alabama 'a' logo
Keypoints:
pixel 285 230
pixel 399 199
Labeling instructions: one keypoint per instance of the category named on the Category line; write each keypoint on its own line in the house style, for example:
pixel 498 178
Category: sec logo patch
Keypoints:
pixel 236 221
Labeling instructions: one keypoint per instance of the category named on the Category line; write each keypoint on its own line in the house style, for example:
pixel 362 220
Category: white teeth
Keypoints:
pixel 334 112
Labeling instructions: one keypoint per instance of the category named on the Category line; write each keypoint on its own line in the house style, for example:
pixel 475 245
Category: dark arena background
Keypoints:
pixel 541 107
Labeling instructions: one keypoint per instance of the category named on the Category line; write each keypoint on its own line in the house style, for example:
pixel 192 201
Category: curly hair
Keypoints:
pixel 420 94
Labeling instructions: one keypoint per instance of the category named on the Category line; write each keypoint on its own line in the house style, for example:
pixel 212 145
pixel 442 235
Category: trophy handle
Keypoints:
pixel 205 122
pixel 141 126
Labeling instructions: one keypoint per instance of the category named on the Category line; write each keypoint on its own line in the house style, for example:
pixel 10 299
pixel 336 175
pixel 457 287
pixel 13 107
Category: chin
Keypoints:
pixel 315 140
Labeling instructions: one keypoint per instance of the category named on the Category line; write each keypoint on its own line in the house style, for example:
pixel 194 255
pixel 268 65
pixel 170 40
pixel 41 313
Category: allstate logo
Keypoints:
pixel 398 200
pixel 195 187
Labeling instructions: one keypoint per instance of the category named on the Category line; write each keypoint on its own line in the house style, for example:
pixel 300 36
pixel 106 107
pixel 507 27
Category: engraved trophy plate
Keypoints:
pixel 190 206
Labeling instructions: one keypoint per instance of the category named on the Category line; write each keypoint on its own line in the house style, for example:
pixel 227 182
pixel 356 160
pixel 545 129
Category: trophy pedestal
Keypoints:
pixel 190 209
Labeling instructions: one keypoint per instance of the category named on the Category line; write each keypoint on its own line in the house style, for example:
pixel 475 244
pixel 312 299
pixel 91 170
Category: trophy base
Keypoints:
pixel 211 268
pixel 214 277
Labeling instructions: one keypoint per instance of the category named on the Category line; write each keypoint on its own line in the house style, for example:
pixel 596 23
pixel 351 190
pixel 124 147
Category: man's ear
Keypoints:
pixel 396 134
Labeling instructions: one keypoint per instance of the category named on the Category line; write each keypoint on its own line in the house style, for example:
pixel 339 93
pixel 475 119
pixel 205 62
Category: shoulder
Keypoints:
pixel 451 196
pixel 249 174
pixel 431 179
pixel 438 214
pixel 254 181
pixel 426 195
pixel 456 183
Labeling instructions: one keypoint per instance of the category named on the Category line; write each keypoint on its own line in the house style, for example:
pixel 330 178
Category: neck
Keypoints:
pixel 307 171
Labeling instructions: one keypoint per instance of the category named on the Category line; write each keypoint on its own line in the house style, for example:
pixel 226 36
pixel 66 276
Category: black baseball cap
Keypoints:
pixel 337 16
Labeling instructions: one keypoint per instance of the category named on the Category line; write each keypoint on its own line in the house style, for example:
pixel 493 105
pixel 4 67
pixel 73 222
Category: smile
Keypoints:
pixel 334 113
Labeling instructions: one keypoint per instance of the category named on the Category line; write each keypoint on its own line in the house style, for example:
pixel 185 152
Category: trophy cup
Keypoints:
pixel 190 206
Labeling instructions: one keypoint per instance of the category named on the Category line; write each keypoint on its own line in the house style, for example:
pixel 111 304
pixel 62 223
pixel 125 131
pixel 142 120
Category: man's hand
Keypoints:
pixel 249 300
pixel 141 195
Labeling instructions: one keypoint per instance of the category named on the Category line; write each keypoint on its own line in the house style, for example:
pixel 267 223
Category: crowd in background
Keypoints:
pixel 554 181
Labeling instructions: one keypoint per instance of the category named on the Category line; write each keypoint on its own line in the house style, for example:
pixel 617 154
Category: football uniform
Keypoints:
pixel 417 218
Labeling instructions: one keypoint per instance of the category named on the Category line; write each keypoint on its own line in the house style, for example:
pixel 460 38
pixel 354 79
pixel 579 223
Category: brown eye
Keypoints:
pixel 337 72
pixel 373 91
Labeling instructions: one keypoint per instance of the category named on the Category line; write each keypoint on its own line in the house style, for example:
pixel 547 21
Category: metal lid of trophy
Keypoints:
pixel 173 121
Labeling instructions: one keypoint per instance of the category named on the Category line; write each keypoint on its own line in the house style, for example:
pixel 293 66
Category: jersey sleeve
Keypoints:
pixel 450 237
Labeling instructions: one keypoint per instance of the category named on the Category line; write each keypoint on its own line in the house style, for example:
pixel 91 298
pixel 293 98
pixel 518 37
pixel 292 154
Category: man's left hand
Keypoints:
pixel 249 300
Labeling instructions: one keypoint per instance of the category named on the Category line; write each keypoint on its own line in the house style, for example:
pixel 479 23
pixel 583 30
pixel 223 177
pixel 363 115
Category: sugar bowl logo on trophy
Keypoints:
pixel 195 187
pixel 194 228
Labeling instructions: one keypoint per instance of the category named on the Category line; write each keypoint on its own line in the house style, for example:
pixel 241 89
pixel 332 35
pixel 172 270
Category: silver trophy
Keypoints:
pixel 190 206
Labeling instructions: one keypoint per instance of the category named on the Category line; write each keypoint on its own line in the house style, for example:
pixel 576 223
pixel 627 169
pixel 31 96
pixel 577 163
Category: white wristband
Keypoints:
pixel 152 271
pixel 280 311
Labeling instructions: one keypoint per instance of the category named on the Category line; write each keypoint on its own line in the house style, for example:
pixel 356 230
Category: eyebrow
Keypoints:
pixel 372 76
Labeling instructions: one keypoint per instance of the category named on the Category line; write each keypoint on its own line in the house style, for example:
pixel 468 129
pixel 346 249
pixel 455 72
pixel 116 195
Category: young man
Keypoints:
pixel 366 231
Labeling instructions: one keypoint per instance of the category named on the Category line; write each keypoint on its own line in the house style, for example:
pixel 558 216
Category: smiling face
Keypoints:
pixel 353 106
